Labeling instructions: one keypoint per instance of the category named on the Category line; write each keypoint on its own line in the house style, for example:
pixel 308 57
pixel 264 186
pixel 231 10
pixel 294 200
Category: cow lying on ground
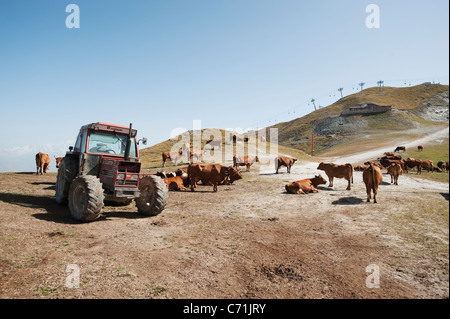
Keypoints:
pixel 284 161
pixel 372 177
pixel 208 173
pixel 338 171
pixel 395 170
pixel 42 163
pixel 175 183
pixel 244 161
pixel 305 185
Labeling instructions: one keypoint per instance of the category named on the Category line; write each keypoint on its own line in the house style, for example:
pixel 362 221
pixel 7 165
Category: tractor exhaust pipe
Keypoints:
pixel 128 146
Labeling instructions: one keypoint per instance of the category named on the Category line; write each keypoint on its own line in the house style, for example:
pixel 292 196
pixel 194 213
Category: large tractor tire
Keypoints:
pixel 153 198
pixel 86 198
pixel 68 169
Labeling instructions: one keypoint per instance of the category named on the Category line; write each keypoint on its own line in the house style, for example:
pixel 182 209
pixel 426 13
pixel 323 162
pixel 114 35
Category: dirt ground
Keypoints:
pixel 248 240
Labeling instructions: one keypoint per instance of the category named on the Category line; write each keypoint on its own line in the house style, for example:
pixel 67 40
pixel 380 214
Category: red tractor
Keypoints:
pixel 104 165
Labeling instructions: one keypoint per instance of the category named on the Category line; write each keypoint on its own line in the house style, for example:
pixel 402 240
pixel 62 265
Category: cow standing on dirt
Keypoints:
pixel 42 163
pixel 209 173
pixel 372 177
pixel 284 161
pixel 395 170
pixel 338 171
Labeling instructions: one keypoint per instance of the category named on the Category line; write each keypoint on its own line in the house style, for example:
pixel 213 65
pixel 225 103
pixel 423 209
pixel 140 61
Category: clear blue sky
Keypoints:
pixel 161 64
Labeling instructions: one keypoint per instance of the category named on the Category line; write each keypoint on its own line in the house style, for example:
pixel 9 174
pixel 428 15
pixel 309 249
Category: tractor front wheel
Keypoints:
pixel 66 173
pixel 153 198
pixel 86 198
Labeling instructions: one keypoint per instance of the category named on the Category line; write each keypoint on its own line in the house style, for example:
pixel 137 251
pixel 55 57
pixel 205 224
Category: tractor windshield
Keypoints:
pixel 110 143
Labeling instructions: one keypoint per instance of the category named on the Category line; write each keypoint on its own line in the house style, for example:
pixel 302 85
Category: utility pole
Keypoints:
pixel 380 83
pixel 314 104
pixel 340 90
pixel 361 85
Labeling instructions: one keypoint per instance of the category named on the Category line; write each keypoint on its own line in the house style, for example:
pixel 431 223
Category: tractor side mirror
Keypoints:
pixel 144 140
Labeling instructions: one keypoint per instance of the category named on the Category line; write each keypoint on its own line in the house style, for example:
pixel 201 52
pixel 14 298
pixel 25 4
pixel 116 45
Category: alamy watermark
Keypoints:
pixel 73 279
pixel 221 146
pixel 373 279
pixel 373 19
pixel 73 19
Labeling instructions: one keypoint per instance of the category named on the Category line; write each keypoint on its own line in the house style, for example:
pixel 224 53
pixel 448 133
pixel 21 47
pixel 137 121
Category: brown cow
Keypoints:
pixel 419 148
pixel 229 180
pixel 208 173
pixel 386 162
pixel 428 165
pixel 395 170
pixel 284 161
pixel 244 161
pixel 305 185
pixel 389 153
pixel 175 183
pixel 338 171
pixel 359 168
pixel 372 177
pixel 42 163
pixel 413 163
pixel 174 156
pixel 442 165
pixel 58 161
pixel 400 148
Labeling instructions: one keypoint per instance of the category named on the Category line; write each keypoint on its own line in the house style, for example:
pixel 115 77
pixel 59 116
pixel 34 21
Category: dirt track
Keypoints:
pixel 249 240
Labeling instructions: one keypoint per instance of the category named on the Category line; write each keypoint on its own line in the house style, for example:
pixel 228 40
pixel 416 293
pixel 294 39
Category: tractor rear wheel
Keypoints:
pixel 86 198
pixel 153 198
pixel 66 173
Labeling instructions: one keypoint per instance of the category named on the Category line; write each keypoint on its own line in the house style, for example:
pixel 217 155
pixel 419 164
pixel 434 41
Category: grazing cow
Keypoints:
pixel 174 156
pixel 244 161
pixel 234 175
pixel 284 161
pixel 413 163
pixel 372 177
pixel 58 161
pixel 175 183
pixel 442 165
pixel 338 171
pixel 42 163
pixel 428 165
pixel 395 170
pixel 419 148
pixel 386 162
pixel 208 173
pixel 305 185
pixel 400 148
pixel 359 168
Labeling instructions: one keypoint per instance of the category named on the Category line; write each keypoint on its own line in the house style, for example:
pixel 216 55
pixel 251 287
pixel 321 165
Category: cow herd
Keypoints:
pixel 216 174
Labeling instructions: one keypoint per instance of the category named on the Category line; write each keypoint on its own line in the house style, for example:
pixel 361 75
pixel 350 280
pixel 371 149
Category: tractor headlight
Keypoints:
pixel 120 176
pixel 135 177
